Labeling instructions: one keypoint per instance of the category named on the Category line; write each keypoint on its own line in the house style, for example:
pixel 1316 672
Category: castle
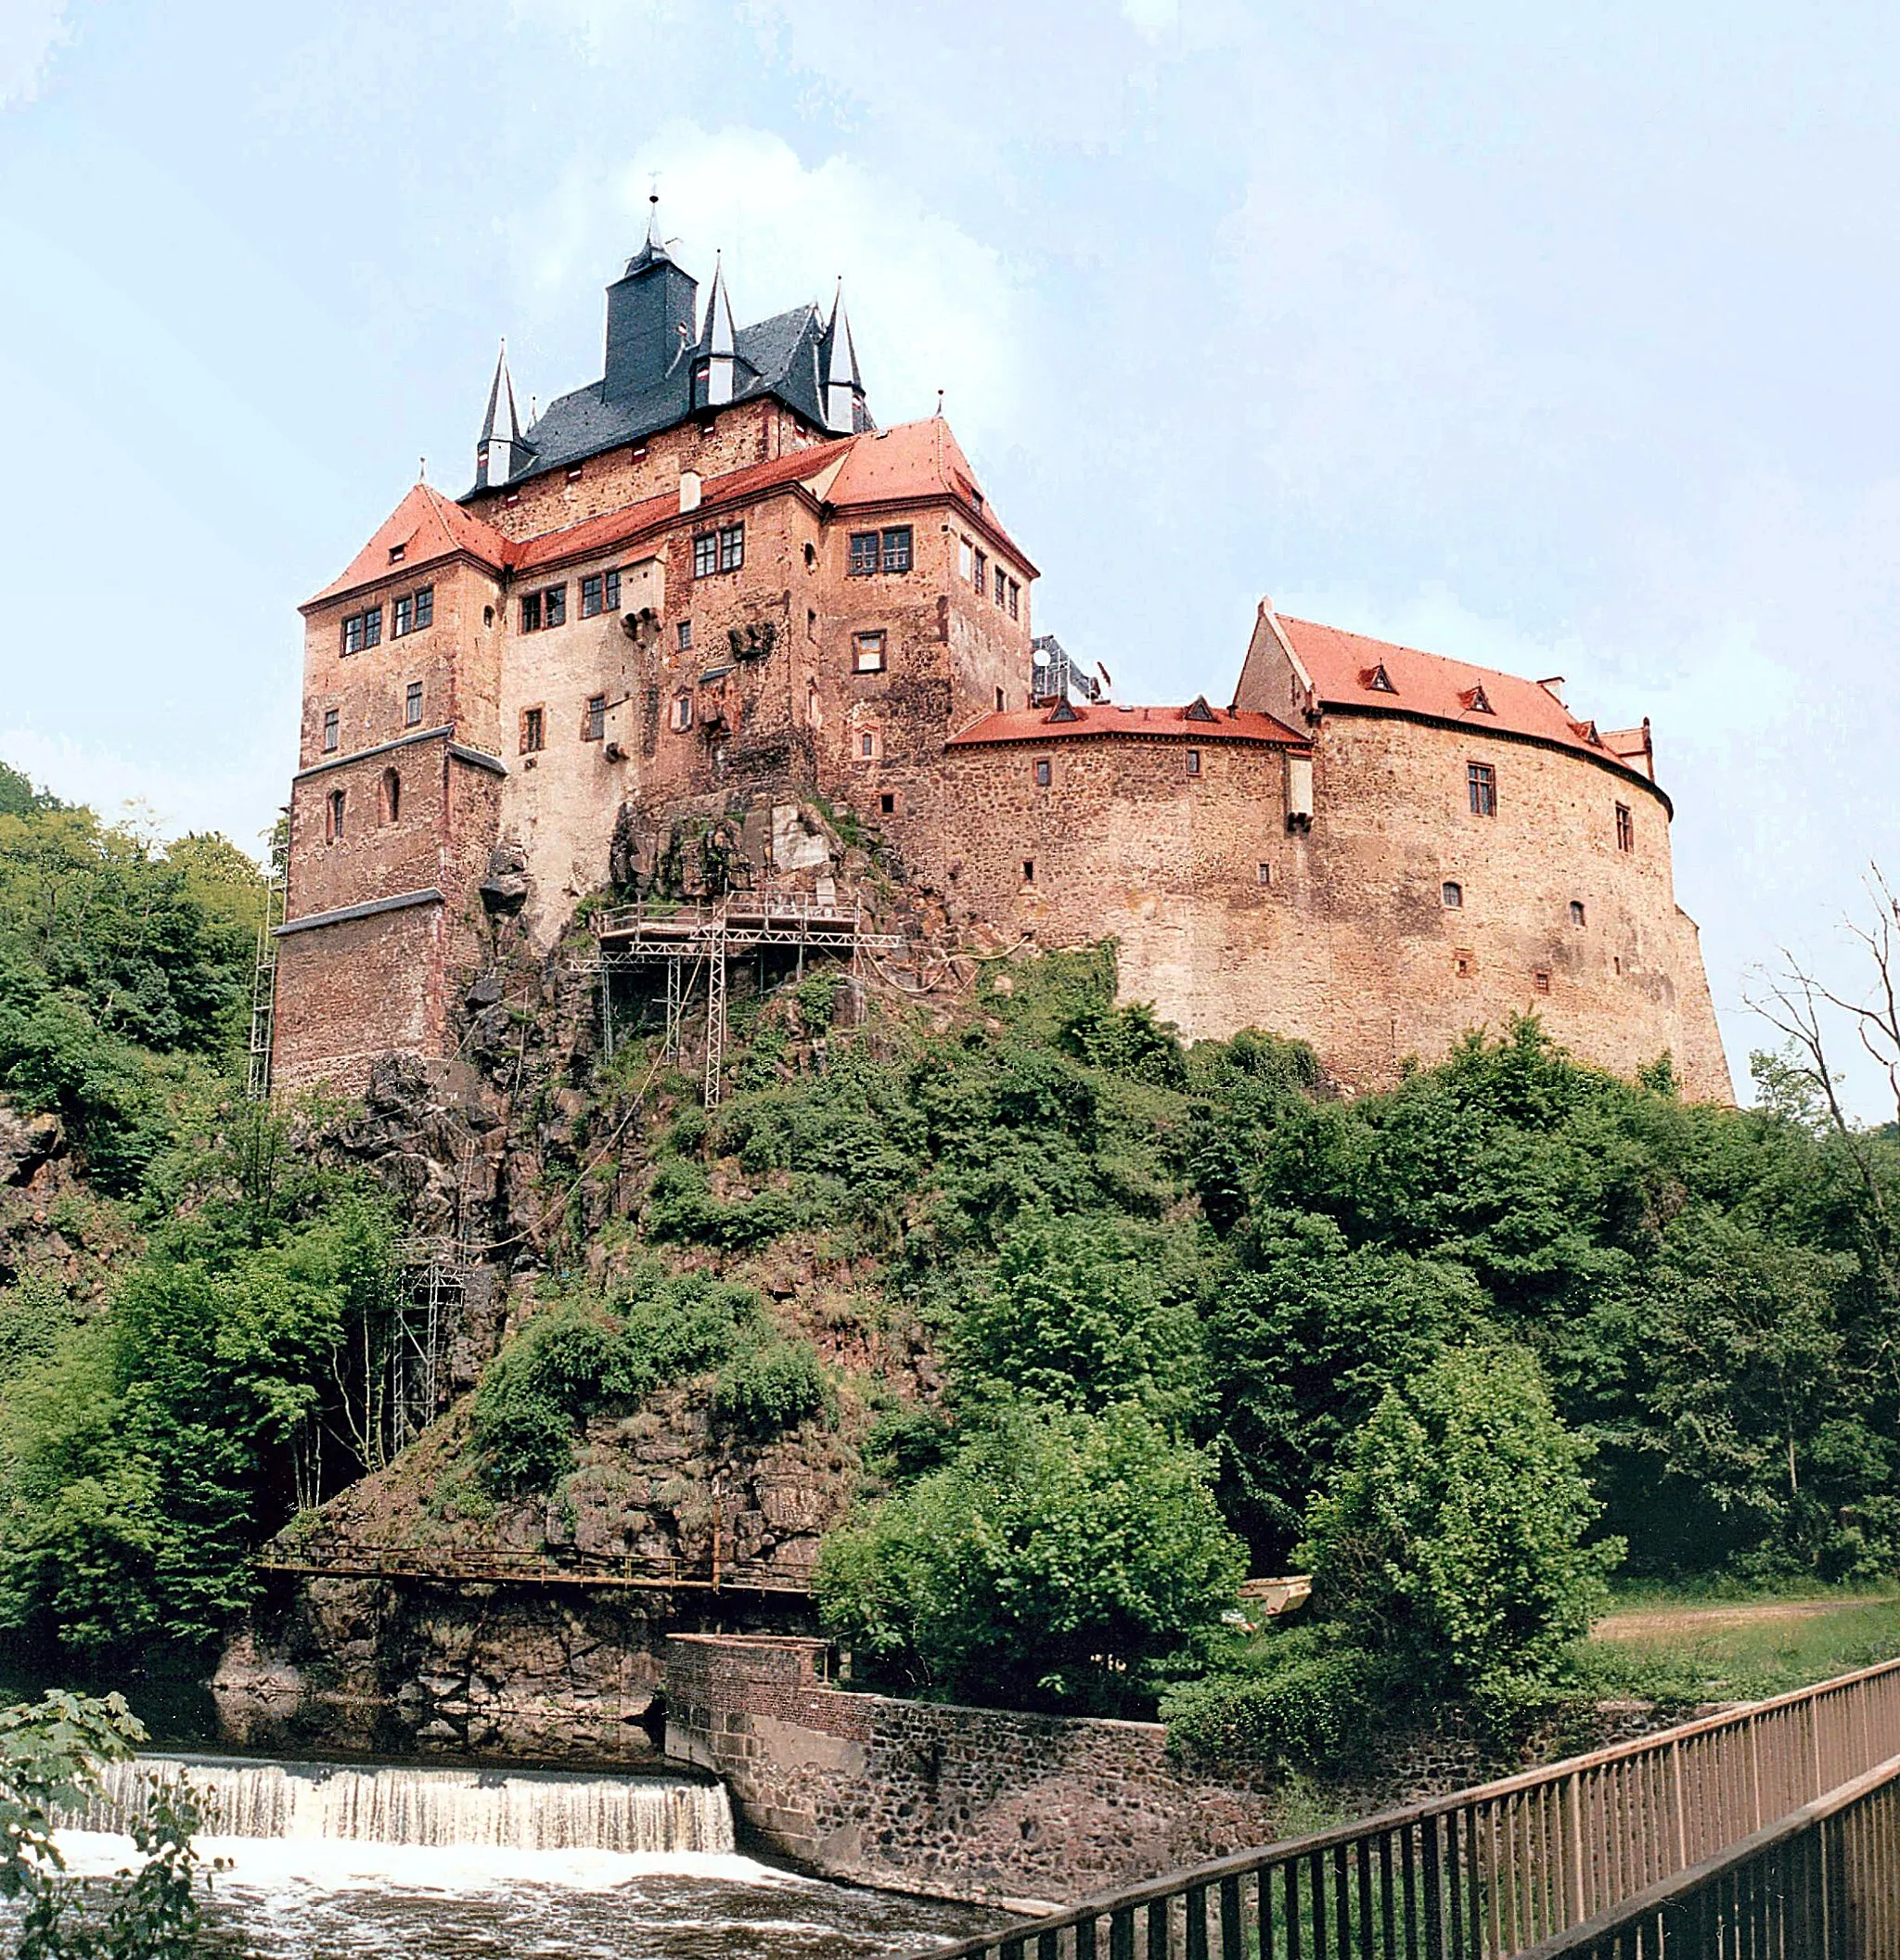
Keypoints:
pixel 706 596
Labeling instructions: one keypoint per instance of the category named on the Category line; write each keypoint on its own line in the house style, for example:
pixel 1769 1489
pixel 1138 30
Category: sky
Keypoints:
pixel 1559 339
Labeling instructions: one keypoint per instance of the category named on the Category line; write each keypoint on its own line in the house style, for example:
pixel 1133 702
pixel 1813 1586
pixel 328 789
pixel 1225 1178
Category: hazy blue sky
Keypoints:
pixel 1558 338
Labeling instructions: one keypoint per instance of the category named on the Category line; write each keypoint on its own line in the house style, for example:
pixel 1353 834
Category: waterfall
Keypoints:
pixel 390 1804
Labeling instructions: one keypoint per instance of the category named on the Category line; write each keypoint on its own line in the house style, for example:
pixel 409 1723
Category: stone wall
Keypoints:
pixel 965 1803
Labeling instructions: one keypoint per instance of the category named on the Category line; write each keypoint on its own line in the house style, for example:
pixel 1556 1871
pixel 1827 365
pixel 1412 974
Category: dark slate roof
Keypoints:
pixel 778 357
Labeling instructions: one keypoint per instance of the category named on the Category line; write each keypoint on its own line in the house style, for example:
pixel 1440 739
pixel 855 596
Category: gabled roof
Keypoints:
pixel 429 528
pixel 1344 666
pixel 917 460
pixel 1072 721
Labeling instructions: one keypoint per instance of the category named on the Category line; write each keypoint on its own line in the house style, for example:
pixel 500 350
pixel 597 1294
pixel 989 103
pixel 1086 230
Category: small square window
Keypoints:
pixel 684 633
pixel 1194 761
pixel 868 653
pixel 1540 979
pixel 705 555
pixel 863 553
pixel 1452 896
pixel 1045 771
pixel 1481 786
pixel 1029 871
pixel 1263 873
pixel 1625 828
pixel 575 474
pixel 513 497
pixel 1576 912
pixel 412 705
pixel 533 731
pixel 609 582
pixel 401 617
pixel 424 608
pixel 590 596
pixel 1464 963
pixel 595 725
pixel 887 804
pixel 732 547
pixel 897 547
pixel 396 553
pixel 331 730
pixel 555 608
pixel 681 717
pixel 531 612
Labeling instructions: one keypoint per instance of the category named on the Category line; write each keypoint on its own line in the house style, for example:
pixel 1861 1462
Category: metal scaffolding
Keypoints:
pixel 434 1283
pixel 263 991
pixel 682 936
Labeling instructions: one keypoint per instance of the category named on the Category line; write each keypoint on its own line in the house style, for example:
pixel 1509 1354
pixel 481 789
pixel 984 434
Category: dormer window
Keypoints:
pixel 1064 711
pixel 397 552
pixel 1378 680
pixel 1477 702
pixel 1197 710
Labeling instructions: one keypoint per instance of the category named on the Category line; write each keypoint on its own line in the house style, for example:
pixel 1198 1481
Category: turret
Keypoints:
pixel 500 451
pixel 843 387
pixel 651 308
pixel 714 358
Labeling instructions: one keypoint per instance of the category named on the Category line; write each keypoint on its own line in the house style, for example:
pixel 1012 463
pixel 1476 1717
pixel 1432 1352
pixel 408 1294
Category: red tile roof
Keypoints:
pixel 429 528
pixel 1342 666
pixel 914 461
pixel 1102 718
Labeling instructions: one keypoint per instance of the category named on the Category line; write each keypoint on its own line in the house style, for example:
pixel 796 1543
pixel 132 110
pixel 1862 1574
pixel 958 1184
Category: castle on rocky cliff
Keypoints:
pixel 706 601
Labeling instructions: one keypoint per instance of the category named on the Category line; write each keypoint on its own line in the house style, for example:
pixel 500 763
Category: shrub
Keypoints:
pixel 1451 1541
pixel 1059 1561
pixel 1303 1698
pixel 769 1387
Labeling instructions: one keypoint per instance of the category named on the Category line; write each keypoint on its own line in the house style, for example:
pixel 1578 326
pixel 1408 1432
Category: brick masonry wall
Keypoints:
pixel 965 1803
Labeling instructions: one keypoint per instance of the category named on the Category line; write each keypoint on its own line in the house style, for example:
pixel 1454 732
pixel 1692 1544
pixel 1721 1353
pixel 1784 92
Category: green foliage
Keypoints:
pixel 584 1355
pixel 1296 1698
pixel 771 1386
pixel 1060 1561
pixel 1450 1541
pixel 1072 1313
pixel 50 1757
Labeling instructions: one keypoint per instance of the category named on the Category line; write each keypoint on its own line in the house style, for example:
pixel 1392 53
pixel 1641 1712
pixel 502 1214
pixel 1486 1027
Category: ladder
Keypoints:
pixel 263 991
pixel 716 1009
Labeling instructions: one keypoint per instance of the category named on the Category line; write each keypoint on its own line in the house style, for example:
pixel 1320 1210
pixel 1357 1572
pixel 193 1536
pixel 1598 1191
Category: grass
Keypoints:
pixel 1694 1648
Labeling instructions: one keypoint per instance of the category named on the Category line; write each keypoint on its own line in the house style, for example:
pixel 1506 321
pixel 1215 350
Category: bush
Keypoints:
pixel 1303 1698
pixel 1450 1543
pixel 1062 1560
pixel 770 1387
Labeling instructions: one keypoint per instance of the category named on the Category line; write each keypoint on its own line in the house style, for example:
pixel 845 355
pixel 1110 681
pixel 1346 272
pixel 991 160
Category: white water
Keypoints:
pixel 518 1810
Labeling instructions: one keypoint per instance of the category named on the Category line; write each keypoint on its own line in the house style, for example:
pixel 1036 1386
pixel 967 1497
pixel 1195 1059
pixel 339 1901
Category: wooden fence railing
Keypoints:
pixel 1493 1871
pixel 1822 1884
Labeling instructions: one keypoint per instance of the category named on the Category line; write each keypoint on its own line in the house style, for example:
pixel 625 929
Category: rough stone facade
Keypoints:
pixel 964 1804
pixel 632 659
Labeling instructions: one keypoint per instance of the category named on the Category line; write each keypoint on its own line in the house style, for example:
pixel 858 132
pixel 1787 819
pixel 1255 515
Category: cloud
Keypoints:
pixel 930 305
pixel 1152 18
pixel 30 33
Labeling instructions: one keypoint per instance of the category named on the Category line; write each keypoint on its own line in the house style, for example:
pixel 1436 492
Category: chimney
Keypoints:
pixel 1554 688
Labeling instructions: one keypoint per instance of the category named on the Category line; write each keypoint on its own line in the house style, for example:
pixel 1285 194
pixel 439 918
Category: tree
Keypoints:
pixel 1059 1561
pixel 1450 1543
pixel 51 1753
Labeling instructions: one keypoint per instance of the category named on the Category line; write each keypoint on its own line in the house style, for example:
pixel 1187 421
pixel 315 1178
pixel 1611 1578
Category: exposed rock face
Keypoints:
pixel 27 1142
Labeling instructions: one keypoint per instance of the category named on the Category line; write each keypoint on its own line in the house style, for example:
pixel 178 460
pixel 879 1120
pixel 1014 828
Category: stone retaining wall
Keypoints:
pixel 965 1803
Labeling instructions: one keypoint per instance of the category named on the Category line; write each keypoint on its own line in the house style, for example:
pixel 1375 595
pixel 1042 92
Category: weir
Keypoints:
pixel 394 1803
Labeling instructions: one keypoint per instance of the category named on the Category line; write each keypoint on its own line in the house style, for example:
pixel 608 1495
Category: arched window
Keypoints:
pixel 1453 896
pixel 333 817
pixel 391 796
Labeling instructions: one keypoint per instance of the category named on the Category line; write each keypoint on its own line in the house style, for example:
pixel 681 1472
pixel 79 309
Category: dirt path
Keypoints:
pixel 1664 1622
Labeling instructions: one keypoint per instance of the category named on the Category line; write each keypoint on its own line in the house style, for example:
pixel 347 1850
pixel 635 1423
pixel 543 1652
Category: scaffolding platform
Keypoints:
pixel 685 937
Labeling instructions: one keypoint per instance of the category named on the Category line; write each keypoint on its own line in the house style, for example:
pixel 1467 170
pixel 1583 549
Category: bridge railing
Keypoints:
pixel 1493 1871
pixel 1822 1884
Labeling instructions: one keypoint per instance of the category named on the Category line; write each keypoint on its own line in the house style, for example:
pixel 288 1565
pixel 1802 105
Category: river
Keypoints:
pixel 329 1860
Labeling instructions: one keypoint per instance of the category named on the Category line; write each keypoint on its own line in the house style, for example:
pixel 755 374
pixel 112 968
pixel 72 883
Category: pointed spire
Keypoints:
pixel 653 251
pixel 500 451
pixel 845 388
pixel 718 341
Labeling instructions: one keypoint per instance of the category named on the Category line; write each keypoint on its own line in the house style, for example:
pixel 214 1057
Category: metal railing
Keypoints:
pixel 639 1572
pixel 1822 1884
pixel 1493 1871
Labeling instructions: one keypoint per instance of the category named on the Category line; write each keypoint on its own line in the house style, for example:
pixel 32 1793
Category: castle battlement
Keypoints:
pixel 707 589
